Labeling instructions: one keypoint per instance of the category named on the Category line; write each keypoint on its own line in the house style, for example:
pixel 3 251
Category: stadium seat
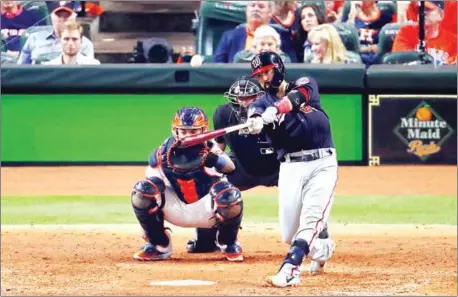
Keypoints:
pixel 40 6
pixel 215 18
pixel 353 56
pixel 349 36
pixel 386 38
pixel 390 6
pixel 3 45
pixel 320 3
pixel 405 57
pixel 31 30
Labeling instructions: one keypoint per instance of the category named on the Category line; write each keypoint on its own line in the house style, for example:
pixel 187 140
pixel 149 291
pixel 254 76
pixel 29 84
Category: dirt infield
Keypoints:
pixel 86 260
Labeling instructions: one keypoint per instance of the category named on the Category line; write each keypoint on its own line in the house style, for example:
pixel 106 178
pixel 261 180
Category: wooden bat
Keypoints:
pixel 201 138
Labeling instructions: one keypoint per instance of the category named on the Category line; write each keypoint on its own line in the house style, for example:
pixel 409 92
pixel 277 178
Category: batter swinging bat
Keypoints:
pixel 193 140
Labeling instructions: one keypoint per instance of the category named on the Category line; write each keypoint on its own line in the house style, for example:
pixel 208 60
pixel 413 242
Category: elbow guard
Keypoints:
pixel 297 98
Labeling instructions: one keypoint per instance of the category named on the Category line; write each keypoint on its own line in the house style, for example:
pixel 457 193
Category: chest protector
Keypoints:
pixel 185 169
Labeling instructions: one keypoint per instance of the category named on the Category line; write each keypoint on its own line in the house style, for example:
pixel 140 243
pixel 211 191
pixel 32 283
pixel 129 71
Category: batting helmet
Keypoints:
pixel 241 93
pixel 266 61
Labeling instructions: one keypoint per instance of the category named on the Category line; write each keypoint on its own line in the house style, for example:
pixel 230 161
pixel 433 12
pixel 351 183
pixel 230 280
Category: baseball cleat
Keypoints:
pixel 233 252
pixel 287 276
pixel 151 252
pixel 322 252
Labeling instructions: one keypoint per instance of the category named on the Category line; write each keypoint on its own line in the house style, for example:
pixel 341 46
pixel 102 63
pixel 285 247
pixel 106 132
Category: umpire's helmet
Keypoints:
pixel 190 118
pixel 265 61
pixel 243 91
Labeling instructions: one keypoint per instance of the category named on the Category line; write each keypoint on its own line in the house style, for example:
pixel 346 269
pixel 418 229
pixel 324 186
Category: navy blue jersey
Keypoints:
pixel 305 129
pixel 14 26
pixel 254 152
pixel 190 186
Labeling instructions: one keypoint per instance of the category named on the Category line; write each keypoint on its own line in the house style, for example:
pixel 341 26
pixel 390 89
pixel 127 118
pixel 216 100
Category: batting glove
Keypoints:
pixel 270 115
pixel 256 125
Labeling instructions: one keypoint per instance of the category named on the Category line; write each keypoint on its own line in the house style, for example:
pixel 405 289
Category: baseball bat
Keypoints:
pixel 193 140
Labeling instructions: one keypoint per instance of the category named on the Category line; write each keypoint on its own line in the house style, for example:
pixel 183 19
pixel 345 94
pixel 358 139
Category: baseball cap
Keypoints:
pixel 63 8
pixel 434 4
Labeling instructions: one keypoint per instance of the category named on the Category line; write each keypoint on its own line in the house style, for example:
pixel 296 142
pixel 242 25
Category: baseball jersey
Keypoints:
pixel 368 29
pixel 254 152
pixel 442 48
pixel 450 18
pixel 189 186
pixel 13 26
pixel 305 129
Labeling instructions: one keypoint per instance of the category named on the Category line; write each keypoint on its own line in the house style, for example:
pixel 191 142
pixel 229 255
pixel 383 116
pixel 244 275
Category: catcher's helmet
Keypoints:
pixel 241 93
pixel 190 118
pixel 265 61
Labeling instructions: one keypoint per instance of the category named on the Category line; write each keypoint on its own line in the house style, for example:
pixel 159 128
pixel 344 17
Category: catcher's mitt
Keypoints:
pixel 187 159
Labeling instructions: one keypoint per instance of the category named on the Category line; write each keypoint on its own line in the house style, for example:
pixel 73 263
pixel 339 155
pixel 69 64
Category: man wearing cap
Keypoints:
pixel 45 42
pixel 440 43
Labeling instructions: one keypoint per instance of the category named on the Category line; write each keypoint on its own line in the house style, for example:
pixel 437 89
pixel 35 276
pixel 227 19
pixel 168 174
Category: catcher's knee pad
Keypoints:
pixel 148 199
pixel 228 205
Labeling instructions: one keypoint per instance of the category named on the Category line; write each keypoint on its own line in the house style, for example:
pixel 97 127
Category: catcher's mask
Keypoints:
pixel 189 121
pixel 264 62
pixel 241 94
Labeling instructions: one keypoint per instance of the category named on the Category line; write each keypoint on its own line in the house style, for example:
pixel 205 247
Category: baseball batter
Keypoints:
pixel 299 130
pixel 184 186
pixel 255 160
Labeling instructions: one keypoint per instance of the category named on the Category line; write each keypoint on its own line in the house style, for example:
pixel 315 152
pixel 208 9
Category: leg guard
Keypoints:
pixel 298 250
pixel 228 205
pixel 147 199
pixel 324 233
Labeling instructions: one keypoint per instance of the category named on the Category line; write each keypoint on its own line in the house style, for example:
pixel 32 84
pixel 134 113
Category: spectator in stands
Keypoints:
pixel 258 13
pixel 327 46
pixel 284 14
pixel 285 22
pixel 15 20
pixel 266 39
pixel 71 39
pixel 46 42
pixel 73 5
pixel 310 17
pixel 440 43
pixel 368 19
pixel 450 15
pixel 334 10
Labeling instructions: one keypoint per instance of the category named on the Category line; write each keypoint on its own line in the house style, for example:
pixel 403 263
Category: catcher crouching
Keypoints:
pixel 185 186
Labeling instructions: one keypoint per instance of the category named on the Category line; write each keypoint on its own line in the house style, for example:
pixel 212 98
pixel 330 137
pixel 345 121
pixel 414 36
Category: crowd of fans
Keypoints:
pixel 60 42
pixel 305 33
pixel 300 31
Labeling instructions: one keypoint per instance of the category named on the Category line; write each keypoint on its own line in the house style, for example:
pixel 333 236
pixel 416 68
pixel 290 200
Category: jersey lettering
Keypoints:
pixel 366 35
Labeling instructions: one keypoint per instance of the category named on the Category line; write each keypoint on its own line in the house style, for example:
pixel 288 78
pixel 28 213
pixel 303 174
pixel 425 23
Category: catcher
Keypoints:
pixel 184 186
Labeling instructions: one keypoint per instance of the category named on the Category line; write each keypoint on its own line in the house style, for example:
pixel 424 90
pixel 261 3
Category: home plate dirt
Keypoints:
pixel 370 260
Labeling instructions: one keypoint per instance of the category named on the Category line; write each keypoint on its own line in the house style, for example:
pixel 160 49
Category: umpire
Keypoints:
pixel 254 158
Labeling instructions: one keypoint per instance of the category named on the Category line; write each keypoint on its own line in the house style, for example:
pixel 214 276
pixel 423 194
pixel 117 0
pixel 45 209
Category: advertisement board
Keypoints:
pixel 412 129
pixel 125 128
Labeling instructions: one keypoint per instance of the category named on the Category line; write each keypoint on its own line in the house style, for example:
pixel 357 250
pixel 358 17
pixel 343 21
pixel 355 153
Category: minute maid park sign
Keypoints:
pixel 423 131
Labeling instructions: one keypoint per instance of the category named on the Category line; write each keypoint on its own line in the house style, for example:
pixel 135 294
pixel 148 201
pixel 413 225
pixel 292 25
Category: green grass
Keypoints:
pixel 117 209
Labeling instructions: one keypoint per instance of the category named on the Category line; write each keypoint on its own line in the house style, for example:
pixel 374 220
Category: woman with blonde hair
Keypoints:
pixel 327 46
pixel 265 39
